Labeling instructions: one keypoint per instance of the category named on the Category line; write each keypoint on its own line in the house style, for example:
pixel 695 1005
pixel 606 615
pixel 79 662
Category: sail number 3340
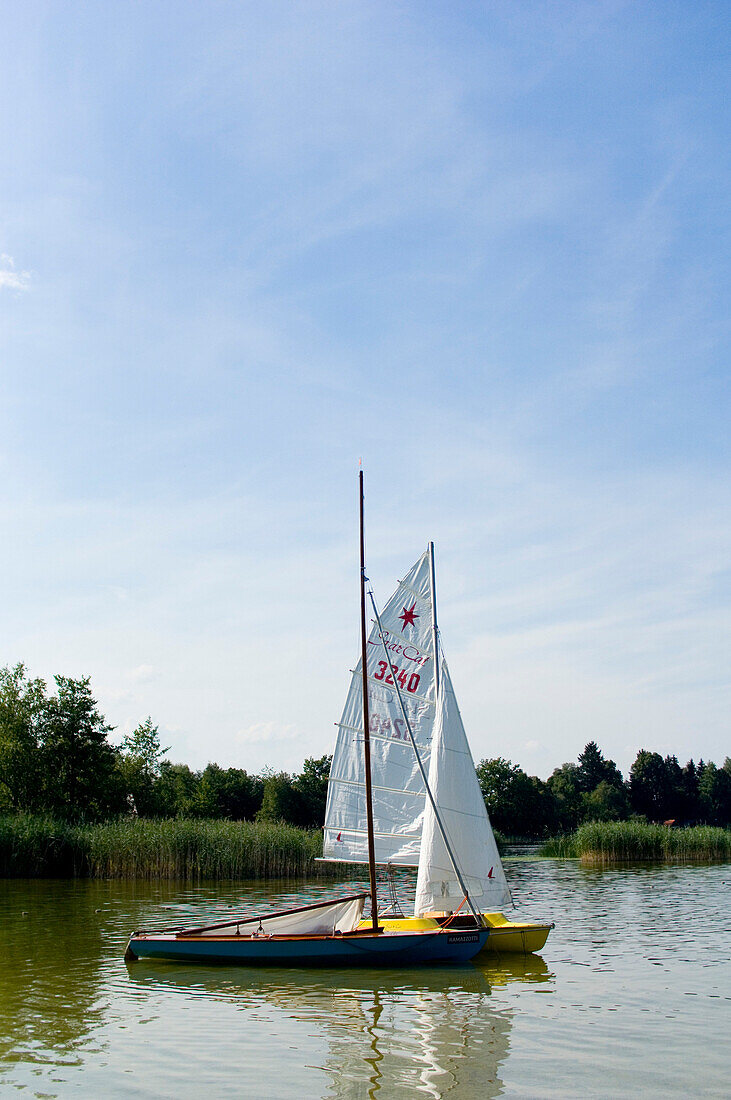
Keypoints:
pixel 408 683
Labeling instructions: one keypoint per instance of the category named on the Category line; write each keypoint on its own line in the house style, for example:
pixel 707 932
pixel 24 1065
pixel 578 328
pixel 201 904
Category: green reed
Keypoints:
pixel 160 848
pixel 618 841
pixel 561 847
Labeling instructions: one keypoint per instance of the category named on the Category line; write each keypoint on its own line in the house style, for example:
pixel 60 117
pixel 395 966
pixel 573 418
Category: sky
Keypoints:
pixel 483 247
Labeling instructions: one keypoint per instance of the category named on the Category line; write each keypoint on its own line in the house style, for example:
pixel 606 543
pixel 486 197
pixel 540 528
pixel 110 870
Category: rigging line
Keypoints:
pixel 437 816
pixel 454 914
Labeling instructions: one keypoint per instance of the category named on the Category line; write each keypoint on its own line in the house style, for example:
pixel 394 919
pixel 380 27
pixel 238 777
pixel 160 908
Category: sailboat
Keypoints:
pixel 326 933
pixel 427 804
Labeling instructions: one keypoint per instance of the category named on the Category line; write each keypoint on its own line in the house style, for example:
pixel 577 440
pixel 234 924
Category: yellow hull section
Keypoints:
pixel 506 936
pixel 514 937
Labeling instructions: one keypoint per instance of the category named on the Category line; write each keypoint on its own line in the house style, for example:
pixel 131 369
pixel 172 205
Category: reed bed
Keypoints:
pixel 623 841
pixel 33 847
pixel 160 849
pixel 560 847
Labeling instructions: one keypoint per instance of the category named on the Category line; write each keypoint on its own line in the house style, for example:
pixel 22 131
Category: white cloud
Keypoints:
pixel 143 674
pixel 11 279
pixel 265 733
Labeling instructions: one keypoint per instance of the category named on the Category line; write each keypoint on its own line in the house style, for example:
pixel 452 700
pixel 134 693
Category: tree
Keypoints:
pixel 675 802
pixel 649 791
pixel 565 785
pixel 229 793
pixel 311 787
pixel 239 794
pixel 594 768
pixel 143 745
pixel 691 801
pixel 140 763
pixel 517 804
pixel 81 778
pixel 606 802
pixel 714 790
pixel 279 801
pixel 22 713
pixel 176 790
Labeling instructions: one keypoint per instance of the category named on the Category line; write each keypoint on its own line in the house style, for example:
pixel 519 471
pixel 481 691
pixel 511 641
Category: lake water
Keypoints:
pixel 631 997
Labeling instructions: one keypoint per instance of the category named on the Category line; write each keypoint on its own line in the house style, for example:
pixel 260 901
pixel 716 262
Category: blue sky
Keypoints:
pixel 483 246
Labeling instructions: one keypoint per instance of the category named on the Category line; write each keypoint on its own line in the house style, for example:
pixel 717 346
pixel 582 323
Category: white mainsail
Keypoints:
pixel 456 792
pixel 398 789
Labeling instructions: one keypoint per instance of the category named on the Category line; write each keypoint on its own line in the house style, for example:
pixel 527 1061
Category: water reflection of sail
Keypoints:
pixel 389 1033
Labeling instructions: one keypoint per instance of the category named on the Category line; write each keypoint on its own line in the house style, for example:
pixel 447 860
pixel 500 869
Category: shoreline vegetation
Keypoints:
pixel 162 848
pixel 73 803
pixel 40 846
pixel 599 842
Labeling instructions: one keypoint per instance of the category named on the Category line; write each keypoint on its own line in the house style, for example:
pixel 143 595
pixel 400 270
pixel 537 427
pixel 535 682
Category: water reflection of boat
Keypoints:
pixel 504 970
pixel 388 1033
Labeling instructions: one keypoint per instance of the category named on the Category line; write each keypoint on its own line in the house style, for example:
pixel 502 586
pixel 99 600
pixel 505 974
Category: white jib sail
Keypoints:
pixel 398 790
pixel 456 791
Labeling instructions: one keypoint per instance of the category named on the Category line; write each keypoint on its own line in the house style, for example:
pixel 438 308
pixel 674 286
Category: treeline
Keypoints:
pixel 593 789
pixel 56 758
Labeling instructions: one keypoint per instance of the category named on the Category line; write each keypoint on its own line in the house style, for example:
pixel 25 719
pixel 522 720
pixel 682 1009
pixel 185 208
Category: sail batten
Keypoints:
pixel 384 836
pixel 382 737
pixel 410 590
pixel 378 787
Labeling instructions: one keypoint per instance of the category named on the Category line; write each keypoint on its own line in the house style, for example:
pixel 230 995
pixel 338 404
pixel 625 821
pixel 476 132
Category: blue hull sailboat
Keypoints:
pixel 249 942
pixel 328 933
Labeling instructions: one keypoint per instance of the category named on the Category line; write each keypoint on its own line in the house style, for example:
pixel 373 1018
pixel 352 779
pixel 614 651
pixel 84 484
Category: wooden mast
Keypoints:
pixel 366 720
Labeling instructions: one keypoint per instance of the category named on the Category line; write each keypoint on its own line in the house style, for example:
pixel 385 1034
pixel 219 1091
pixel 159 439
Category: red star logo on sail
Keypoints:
pixel 409 615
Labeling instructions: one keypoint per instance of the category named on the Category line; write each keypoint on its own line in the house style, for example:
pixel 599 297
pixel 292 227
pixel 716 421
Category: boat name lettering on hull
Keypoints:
pixel 464 937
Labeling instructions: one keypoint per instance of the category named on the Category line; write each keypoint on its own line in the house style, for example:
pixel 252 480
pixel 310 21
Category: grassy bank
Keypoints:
pixel 164 848
pixel 618 841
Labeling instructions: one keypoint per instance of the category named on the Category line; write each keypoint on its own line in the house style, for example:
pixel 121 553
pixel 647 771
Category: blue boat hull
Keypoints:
pixel 394 949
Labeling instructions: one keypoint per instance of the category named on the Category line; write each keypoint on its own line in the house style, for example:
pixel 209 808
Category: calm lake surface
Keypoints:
pixel 631 997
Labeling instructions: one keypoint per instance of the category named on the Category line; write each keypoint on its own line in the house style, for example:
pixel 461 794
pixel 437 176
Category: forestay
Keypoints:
pixel 398 790
pixel 456 791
